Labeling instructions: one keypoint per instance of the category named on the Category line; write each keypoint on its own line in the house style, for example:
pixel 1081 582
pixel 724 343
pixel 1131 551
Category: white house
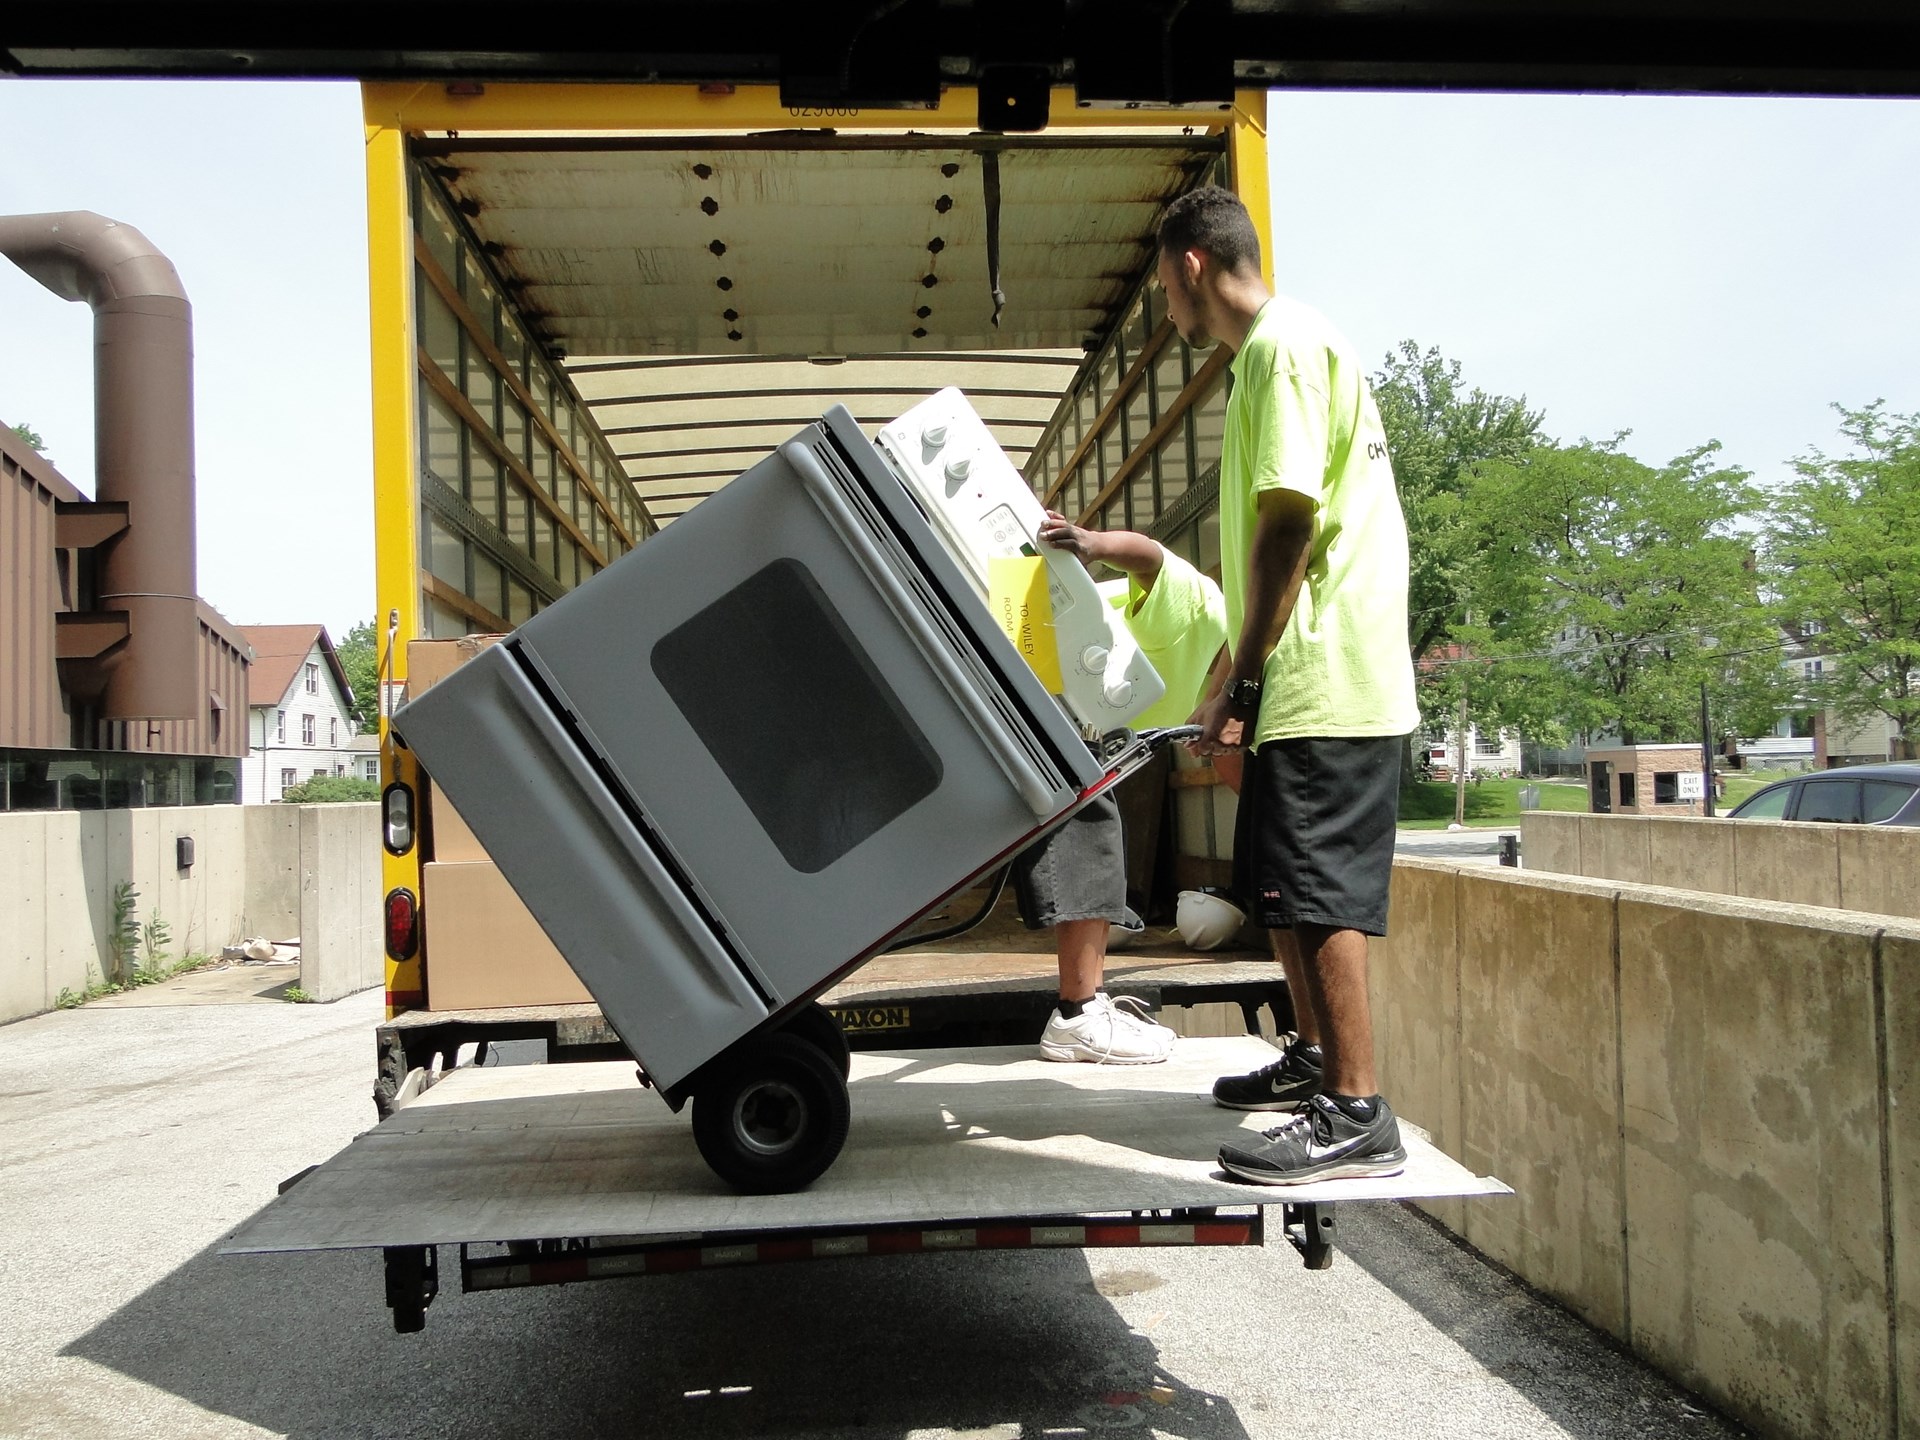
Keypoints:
pixel 299 712
pixel 1488 752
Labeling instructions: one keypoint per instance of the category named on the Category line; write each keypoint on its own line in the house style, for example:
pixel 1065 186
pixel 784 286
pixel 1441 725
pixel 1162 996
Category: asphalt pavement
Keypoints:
pixel 138 1137
pixel 1475 846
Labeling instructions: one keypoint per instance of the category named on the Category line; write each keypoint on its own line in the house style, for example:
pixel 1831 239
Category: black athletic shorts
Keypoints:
pixel 1314 840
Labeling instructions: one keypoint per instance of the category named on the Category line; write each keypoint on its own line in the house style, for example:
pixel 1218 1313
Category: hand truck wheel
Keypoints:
pixel 814 1023
pixel 773 1117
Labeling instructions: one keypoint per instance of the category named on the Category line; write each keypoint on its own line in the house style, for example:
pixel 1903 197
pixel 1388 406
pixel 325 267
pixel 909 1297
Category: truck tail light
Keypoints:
pixel 396 814
pixel 403 924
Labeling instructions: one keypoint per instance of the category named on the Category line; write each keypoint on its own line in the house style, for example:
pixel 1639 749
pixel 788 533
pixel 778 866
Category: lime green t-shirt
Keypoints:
pixel 1301 417
pixel 1180 624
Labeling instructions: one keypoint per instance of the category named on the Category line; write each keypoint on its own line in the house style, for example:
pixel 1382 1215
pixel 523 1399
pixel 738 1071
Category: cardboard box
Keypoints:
pixel 451 839
pixel 430 661
pixel 484 949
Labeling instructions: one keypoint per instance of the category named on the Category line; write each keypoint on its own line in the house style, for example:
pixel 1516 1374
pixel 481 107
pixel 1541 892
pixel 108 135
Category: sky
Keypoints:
pixel 1684 269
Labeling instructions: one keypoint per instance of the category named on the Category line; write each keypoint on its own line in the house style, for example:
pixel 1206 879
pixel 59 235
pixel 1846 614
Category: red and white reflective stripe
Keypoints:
pixel 488 1274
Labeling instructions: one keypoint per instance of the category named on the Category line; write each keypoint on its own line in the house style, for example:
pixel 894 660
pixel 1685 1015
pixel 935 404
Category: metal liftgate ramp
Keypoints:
pixel 555 1174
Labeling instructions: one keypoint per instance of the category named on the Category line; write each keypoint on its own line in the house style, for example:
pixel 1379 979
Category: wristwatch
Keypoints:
pixel 1243 694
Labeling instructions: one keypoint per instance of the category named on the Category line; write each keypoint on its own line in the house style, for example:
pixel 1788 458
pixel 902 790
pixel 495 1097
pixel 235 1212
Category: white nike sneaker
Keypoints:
pixel 1107 1032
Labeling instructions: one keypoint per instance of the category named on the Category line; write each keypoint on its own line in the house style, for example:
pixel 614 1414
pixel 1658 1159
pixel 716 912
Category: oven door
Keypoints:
pixel 822 751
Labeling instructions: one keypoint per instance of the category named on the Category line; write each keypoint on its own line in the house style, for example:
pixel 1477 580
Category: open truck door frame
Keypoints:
pixel 438 161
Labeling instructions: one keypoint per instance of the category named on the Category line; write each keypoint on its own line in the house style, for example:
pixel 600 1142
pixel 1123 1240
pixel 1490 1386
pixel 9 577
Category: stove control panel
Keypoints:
pixel 981 506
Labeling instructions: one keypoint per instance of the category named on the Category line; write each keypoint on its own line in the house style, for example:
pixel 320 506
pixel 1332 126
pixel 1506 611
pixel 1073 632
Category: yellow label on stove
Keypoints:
pixel 1017 595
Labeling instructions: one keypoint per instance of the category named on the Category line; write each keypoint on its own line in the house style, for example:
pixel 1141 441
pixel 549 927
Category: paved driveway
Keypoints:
pixel 136 1137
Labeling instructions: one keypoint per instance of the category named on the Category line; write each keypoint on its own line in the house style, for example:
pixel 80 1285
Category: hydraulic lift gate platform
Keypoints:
pixel 579 1161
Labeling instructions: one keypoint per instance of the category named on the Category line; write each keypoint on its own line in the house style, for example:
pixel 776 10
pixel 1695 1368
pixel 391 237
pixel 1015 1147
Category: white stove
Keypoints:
pixel 981 507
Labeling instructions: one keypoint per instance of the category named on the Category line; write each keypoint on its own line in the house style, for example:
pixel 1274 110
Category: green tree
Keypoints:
pixel 359 656
pixel 1437 432
pixel 1607 591
pixel 1844 556
pixel 331 790
pixel 32 437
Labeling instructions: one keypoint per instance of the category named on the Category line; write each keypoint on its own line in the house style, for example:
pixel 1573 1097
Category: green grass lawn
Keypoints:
pixel 1428 804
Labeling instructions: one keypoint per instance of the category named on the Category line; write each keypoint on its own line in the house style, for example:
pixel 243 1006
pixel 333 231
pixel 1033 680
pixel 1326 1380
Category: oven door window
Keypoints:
pixel 804 727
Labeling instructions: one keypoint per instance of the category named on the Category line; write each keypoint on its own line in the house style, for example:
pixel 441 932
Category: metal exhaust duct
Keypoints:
pixel 143 447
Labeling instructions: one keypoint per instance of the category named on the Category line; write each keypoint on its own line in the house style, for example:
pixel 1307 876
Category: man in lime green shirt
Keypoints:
pixel 1318 687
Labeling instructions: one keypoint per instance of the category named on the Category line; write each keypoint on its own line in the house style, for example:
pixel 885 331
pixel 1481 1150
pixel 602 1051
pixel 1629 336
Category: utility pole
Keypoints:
pixel 1706 751
pixel 1460 765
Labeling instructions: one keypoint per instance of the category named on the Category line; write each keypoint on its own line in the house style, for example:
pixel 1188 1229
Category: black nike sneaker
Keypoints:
pixel 1322 1142
pixel 1286 1084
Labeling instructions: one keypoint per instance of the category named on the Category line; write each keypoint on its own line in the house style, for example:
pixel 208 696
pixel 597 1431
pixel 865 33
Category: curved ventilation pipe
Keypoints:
pixel 143 446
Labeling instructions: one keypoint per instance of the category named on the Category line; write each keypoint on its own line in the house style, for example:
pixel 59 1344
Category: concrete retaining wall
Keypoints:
pixel 280 871
pixel 340 941
pixel 1850 867
pixel 1709 1110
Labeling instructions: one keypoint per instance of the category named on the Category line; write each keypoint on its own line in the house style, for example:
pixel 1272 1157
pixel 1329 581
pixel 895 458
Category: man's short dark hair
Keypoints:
pixel 1214 222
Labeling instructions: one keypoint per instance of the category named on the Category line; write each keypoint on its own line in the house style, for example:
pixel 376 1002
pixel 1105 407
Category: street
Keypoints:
pixel 1476 846
pixel 139 1136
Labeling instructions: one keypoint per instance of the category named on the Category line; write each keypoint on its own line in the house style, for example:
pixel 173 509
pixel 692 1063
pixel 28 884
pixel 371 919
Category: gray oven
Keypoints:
pixel 753 750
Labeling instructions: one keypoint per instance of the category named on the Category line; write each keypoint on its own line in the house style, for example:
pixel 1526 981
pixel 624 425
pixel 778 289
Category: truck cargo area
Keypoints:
pixel 557 1173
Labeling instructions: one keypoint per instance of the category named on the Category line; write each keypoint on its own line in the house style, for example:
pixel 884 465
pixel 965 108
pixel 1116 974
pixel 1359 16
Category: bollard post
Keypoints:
pixel 1510 851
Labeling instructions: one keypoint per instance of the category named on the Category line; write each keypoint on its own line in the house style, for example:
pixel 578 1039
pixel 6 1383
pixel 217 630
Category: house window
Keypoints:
pixel 1800 727
pixel 306 729
pixel 333 732
pixel 288 778
pixel 370 769
pixel 1811 668
pixel 1666 787
pixel 1627 786
pixel 313 679
pixel 280 725
pixel 1485 744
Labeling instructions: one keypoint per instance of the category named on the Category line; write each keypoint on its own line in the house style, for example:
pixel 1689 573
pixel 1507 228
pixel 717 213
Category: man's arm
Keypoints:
pixel 1125 550
pixel 1277 567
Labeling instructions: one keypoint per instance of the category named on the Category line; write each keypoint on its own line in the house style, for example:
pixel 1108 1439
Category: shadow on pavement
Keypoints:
pixel 1006 1344
pixel 1579 1377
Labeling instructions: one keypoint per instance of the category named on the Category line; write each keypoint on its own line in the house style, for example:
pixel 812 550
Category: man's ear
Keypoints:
pixel 1192 264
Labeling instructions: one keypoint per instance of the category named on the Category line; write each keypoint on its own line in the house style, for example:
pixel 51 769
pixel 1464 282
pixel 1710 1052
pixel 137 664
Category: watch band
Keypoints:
pixel 1244 694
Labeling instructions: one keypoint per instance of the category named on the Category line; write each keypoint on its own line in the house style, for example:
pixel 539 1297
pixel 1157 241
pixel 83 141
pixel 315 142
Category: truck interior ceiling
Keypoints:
pixel 614 321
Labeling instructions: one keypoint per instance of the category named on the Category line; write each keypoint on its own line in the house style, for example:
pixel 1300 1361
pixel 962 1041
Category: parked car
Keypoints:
pixel 1858 795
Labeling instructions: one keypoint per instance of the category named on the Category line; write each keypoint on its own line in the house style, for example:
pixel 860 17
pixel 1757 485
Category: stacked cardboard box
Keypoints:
pixel 483 949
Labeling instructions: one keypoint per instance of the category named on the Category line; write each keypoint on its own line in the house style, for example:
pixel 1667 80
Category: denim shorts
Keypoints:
pixel 1077 872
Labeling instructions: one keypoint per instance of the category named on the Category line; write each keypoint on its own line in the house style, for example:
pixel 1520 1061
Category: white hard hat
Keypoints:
pixel 1206 921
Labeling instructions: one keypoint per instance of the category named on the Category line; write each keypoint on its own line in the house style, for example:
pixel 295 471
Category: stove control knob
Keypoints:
pixel 934 436
pixel 958 468
pixel 1119 693
pixel 1093 659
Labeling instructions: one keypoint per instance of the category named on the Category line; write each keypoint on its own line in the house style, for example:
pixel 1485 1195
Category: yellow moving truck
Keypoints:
pixel 594 305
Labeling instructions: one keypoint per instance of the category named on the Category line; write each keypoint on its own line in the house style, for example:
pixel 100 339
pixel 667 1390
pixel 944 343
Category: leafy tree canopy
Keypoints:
pixel 1437 432
pixel 359 656
pixel 331 790
pixel 1606 591
pixel 1844 557
pixel 31 436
